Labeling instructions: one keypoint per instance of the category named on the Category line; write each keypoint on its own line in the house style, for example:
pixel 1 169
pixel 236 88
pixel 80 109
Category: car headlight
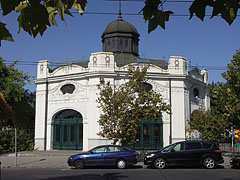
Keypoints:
pixel 150 155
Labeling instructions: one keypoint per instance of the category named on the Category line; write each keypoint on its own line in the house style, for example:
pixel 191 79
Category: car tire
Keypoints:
pixel 79 164
pixel 209 163
pixel 159 163
pixel 121 164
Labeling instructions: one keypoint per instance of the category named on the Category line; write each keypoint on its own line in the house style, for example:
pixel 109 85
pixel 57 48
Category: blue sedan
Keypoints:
pixel 106 155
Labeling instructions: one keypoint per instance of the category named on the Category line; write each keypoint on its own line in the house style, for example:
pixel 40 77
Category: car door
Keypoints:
pixel 193 153
pixel 175 155
pixel 113 153
pixel 96 156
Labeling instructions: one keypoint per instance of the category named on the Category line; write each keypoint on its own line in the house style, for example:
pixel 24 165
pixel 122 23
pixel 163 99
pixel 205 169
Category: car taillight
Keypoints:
pixel 217 151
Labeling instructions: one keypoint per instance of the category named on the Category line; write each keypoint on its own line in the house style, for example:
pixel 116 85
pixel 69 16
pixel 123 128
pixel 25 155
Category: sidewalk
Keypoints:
pixel 51 159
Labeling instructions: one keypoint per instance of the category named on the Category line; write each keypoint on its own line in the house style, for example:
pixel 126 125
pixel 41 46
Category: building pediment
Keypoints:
pixel 67 90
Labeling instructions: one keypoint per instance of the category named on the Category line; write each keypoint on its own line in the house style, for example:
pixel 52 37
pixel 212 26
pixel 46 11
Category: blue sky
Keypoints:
pixel 210 43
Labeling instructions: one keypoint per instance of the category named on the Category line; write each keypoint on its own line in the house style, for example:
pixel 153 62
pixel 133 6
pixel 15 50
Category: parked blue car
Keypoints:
pixel 105 155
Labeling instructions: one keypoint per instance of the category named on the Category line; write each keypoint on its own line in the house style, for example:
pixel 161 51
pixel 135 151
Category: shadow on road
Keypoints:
pixel 31 162
pixel 108 167
pixel 106 176
pixel 187 167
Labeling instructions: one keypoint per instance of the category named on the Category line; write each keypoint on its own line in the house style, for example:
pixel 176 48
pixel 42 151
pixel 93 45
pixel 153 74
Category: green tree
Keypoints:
pixel 123 107
pixel 211 126
pixel 225 105
pixel 16 103
pixel 232 89
pixel 35 16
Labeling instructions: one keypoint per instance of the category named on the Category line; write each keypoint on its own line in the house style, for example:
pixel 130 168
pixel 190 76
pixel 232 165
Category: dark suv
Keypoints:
pixel 186 153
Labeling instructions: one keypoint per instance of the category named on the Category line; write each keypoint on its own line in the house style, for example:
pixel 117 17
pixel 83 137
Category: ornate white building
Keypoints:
pixel 66 107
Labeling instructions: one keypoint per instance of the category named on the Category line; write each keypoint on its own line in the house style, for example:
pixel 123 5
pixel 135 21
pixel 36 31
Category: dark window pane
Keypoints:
pixel 146 133
pixel 157 133
pixel 73 133
pixel 108 45
pixel 193 145
pixel 195 93
pixel 65 133
pixel 80 133
pixel 68 88
pixel 57 133
pixel 68 114
pixel 121 44
pixel 206 145
pixel 113 45
pixel 126 45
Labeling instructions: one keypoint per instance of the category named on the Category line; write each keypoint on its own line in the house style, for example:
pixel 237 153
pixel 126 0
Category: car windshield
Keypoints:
pixel 167 149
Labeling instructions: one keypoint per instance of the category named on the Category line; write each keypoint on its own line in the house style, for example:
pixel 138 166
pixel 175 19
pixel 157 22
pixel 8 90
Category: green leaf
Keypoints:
pixel 52 13
pixel 198 7
pixel 34 20
pixel 4 33
pixel 8 7
pixel 80 6
pixel 229 14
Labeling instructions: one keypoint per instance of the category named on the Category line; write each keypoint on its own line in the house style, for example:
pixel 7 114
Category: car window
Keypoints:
pixel 192 145
pixel 206 145
pixel 99 150
pixel 167 149
pixel 113 149
pixel 178 147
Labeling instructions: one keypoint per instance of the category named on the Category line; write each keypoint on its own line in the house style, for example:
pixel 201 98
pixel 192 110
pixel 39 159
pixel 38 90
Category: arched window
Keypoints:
pixel 126 45
pixel 68 114
pixel 121 44
pixel 113 45
pixel 68 88
pixel 196 93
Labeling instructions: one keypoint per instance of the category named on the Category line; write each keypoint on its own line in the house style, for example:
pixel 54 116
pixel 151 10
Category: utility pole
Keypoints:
pixel 15 146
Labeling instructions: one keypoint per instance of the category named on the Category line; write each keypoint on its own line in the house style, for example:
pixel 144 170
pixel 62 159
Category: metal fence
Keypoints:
pixel 229 148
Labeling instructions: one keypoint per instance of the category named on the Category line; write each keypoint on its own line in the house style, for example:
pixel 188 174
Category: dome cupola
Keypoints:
pixel 120 37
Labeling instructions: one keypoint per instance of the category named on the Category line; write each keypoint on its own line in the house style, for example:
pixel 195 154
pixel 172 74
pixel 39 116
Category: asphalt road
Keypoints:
pixel 136 173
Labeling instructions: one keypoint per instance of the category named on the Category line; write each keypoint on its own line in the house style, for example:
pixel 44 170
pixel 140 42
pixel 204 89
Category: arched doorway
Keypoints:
pixel 68 130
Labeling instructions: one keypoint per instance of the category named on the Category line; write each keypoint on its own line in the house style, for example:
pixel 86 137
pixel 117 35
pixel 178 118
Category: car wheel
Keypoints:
pixel 209 163
pixel 121 164
pixel 160 163
pixel 79 164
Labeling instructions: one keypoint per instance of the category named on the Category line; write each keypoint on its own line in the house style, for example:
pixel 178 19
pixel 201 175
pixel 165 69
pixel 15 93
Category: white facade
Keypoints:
pixel 187 91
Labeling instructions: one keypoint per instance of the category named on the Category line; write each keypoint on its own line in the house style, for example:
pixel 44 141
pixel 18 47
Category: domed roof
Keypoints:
pixel 120 26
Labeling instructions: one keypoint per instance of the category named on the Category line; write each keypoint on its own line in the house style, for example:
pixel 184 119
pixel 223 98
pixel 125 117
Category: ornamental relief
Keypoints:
pixel 79 91
pixel 159 88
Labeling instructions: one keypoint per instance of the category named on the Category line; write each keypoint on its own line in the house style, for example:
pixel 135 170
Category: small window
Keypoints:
pixel 195 93
pixel 126 45
pixel 167 149
pixel 121 44
pixel 108 45
pixel 113 149
pixel 68 88
pixel 113 45
pixel 99 150
pixel 178 147
pixel 206 145
pixel 193 146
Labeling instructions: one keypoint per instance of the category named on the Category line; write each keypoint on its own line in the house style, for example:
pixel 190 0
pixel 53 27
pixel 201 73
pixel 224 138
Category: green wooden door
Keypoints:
pixel 150 136
pixel 68 134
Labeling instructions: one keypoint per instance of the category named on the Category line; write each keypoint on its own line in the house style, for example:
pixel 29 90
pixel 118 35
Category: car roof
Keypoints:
pixel 200 141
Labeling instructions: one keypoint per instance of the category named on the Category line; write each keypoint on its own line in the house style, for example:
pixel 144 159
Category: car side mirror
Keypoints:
pixel 172 150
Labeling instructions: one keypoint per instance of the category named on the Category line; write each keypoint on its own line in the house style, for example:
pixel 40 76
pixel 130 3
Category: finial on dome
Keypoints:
pixel 120 10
